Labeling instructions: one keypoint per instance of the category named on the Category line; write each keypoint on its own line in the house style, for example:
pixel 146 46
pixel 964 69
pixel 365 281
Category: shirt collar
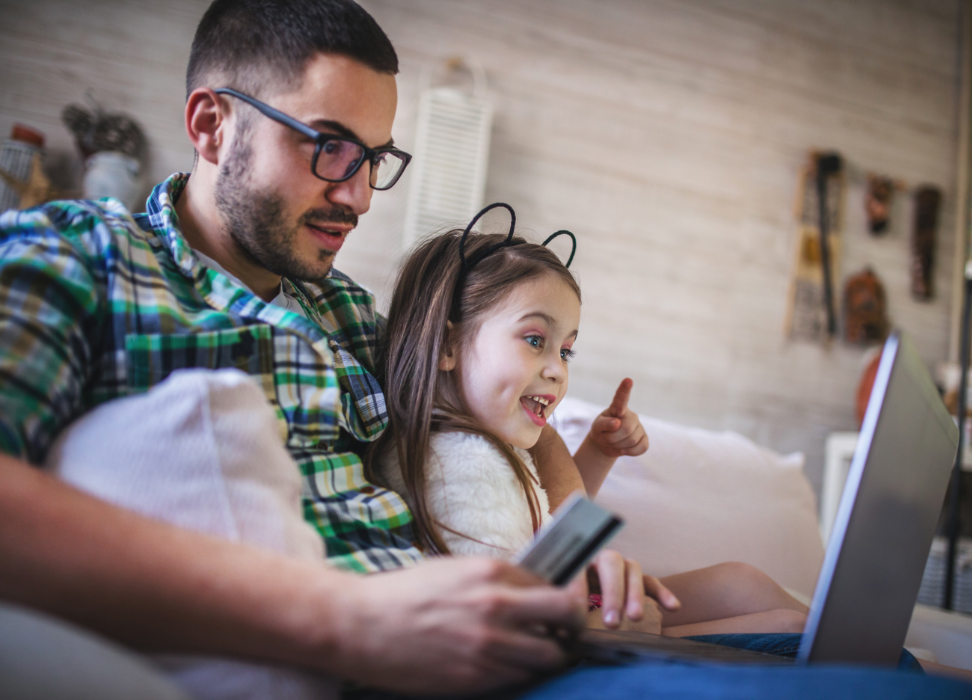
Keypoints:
pixel 282 298
pixel 161 211
pixel 164 221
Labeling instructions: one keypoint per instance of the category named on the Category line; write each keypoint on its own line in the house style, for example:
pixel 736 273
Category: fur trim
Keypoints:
pixel 472 489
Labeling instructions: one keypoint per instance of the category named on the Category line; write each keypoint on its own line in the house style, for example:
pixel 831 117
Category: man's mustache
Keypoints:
pixel 337 215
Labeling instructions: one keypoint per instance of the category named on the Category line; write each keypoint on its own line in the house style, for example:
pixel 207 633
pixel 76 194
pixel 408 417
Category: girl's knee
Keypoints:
pixel 763 592
pixel 787 620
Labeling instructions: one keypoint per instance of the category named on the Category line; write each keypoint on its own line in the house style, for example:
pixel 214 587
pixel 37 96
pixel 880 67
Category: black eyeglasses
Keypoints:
pixel 338 158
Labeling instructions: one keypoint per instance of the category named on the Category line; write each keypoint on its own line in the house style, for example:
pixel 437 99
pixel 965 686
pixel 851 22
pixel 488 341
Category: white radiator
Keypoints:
pixel 451 156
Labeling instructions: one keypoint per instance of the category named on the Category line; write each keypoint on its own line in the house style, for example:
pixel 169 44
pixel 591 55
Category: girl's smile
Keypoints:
pixel 514 371
pixel 536 406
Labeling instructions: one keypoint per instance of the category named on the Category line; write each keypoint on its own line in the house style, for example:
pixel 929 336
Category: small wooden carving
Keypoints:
pixel 877 203
pixel 865 309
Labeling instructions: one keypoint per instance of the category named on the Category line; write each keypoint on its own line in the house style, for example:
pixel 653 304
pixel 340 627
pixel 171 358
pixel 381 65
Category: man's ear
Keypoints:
pixel 207 123
pixel 447 360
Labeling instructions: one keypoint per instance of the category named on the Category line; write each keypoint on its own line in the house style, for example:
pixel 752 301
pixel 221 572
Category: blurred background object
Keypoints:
pixel 112 147
pixel 451 149
pixel 811 313
pixel 928 199
pixel 877 203
pixel 19 158
pixel 865 309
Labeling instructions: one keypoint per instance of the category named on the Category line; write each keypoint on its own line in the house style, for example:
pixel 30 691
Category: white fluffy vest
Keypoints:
pixel 472 489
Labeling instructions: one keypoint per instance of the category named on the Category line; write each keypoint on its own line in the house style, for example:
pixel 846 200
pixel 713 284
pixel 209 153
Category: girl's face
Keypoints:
pixel 514 371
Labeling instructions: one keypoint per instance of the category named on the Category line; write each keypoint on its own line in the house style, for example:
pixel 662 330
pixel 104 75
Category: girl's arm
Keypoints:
pixel 558 473
pixel 615 432
pixel 595 464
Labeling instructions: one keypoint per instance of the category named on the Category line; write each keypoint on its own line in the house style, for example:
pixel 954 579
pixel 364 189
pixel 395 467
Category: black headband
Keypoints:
pixel 507 243
pixel 573 241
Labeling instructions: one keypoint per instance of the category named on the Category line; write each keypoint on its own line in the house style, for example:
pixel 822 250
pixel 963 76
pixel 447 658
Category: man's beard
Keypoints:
pixel 257 220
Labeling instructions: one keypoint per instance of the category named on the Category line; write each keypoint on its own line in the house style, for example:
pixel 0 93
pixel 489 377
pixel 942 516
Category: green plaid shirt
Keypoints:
pixel 96 304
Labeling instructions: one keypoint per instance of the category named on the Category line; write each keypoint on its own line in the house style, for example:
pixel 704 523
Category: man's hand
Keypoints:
pixel 628 597
pixel 617 430
pixel 454 625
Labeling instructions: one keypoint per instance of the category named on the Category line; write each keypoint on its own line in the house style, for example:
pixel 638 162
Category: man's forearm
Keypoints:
pixel 154 586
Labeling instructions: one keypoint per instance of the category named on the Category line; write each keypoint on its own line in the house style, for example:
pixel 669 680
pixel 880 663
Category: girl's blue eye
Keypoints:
pixel 566 354
pixel 535 340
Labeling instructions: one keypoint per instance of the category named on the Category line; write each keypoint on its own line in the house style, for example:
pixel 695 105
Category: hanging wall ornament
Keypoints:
pixel 865 309
pixel 927 201
pixel 877 203
pixel 811 313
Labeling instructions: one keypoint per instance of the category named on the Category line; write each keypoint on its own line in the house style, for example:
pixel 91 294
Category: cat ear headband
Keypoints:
pixel 468 263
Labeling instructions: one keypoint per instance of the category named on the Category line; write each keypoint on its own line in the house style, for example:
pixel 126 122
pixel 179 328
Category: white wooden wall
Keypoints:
pixel 666 134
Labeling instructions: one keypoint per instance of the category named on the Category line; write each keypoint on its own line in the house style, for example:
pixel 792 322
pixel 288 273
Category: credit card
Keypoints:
pixel 567 544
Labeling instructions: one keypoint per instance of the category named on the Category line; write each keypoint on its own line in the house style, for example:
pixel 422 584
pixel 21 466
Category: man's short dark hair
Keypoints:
pixel 252 45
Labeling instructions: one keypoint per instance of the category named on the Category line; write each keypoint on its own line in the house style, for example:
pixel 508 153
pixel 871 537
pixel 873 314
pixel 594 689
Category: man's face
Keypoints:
pixel 282 216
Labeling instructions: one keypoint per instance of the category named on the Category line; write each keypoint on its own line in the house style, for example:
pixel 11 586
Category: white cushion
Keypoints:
pixel 698 498
pixel 202 450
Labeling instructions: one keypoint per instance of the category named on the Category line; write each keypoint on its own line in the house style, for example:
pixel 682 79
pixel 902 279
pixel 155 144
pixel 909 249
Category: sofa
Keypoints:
pixel 699 497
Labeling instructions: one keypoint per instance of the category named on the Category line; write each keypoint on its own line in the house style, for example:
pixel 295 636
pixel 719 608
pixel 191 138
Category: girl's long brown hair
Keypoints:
pixel 419 397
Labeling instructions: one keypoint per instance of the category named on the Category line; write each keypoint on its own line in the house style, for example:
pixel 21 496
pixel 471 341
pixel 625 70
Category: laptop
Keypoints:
pixel 879 545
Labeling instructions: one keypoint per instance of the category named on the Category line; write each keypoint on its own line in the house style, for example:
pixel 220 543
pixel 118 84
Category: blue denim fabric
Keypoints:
pixel 785 645
pixel 700 680
pixel 685 681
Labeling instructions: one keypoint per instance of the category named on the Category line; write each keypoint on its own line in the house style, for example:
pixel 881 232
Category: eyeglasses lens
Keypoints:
pixel 338 159
pixel 386 170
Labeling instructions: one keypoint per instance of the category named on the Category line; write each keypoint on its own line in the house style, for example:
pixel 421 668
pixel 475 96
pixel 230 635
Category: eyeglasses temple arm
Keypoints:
pixel 272 113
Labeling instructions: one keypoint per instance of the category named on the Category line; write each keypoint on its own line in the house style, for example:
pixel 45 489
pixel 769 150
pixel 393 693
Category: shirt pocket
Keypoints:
pixel 298 381
pixel 152 358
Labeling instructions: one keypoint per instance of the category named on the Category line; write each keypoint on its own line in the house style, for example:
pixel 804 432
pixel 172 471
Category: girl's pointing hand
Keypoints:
pixel 617 430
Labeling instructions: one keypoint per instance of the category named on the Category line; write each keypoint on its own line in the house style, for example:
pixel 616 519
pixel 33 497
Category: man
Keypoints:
pixel 227 268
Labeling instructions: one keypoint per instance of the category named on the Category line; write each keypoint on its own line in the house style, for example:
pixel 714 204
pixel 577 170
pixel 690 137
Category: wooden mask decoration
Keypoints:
pixel 865 309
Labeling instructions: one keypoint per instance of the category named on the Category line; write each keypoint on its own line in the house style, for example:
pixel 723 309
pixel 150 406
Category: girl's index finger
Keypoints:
pixel 620 402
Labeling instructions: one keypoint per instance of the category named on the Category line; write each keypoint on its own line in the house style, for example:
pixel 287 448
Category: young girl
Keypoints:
pixel 474 361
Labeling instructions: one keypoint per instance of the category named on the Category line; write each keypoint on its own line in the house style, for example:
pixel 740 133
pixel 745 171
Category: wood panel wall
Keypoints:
pixel 666 134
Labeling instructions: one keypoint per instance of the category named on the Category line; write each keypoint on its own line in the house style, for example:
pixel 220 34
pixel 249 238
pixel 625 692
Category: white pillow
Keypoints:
pixel 698 498
pixel 202 450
